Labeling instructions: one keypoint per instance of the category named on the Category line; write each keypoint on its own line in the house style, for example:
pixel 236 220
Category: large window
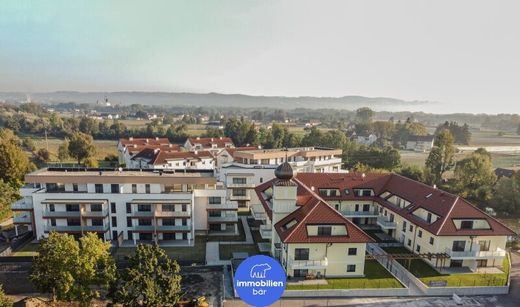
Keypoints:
pixel 301 254
pixel 134 188
pixel 168 208
pixel 98 187
pixel 73 222
pixel 144 208
pixel 69 207
pixel 466 225
pixel 114 221
pixel 97 222
pixel 113 207
pixel 114 188
pixel 239 192
pixel 145 222
pixel 147 188
pixel 459 246
pixel 324 230
pixel 96 208
pixel 239 180
pixel 168 222
pixel 351 268
pixel 352 251
pixel 215 200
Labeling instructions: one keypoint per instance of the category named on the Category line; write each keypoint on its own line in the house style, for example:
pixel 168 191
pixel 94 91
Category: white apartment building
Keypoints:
pixel 423 218
pixel 214 145
pixel 148 205
pixel 252 167
pixel 156 158
pixel 129 148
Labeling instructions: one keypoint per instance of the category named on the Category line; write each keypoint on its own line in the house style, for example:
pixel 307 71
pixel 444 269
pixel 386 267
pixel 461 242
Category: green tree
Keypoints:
pixel 42 156
pixel 63 151
pixel 72 270
pixel 441 157
pixel 81 146
pixel 53 268
pixel 413 172
pixel 4 300
pixel 14 163
pixel 152 279
pixel 28 144
pixel 506 196
pixel 475 176
pixel 364 115
pixel 8 195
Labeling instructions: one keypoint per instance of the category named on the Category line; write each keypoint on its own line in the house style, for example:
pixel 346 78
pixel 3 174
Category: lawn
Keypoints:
pixel 376 276
pixel 426 273
pixel 29 249
pixel 226 250
pixel 491 138
pixel 185 254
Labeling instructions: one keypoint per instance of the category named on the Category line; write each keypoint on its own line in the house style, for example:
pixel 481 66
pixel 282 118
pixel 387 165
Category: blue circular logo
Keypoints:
pixel 260 280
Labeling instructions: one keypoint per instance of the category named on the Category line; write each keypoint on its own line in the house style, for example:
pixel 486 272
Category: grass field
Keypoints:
pixel 376 276
pixel 426 273
pixel 27 250
pixel 492 138
pixel 504 160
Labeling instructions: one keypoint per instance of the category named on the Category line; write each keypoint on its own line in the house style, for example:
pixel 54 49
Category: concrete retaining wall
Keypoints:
pixel 347 293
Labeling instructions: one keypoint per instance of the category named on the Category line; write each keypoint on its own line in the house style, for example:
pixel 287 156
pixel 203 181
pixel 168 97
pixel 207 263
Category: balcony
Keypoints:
pixel 309 264
pixel 226 206
pixel 258 213
pixel 160 214
pixel 241 197
pixel 160 228
pixel 476 254
pixel 223 219
pixel 102 213
pixel 266 232
pixel 241 185
pixel 385 224
pixel 22 219
pixel 22 205
pixel 77 229
pixel 63 214
pixel 360 213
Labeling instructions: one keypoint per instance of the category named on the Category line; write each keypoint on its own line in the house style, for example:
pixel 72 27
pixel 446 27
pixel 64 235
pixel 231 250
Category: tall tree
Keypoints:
pixel 441 157
pixel 364 115
pixel 475 176
pixel 14 163
pixel 81 146
pixel 506 196
pixel 63 151
pixel 152 279
pixel 4 300
pixel 413 172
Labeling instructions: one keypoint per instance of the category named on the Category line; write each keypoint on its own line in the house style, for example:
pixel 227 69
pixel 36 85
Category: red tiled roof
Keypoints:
pixel 232 151
pixel 447 206
pixel 208 142
pixel 144 141
pixel 135 149
pixel 162 156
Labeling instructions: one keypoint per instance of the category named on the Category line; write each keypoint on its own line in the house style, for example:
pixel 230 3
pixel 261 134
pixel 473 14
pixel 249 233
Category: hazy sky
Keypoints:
pixel 463 54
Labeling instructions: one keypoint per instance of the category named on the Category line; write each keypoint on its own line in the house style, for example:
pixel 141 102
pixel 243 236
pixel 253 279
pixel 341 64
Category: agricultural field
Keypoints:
pixel 492 138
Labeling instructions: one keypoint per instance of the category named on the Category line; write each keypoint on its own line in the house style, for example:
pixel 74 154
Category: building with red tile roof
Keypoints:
pixel 215 145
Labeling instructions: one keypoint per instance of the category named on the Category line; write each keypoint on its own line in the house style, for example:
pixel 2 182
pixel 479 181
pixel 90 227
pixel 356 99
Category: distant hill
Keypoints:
pixel 214 99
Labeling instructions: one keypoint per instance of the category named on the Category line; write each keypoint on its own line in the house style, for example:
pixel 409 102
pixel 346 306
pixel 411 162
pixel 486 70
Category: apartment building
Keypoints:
pixel 148 205
pixel 308 236
pixel 423 218
pixel 156 158
pixel 252 167
pixel 214 145
pixel 144 147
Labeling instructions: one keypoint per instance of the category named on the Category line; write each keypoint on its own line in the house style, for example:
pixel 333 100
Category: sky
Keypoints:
pixel 463 55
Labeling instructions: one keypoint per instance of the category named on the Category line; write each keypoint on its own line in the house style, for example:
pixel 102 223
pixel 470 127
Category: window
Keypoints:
pixel 466 225
pixel 98 188
pixel 356 207
pixel 128 222
pixel 144 208
pixel 418 248
pixel 73 222
pixel 53 222
pixel 214 200
pixel 168 208
pixel 352 251
pixel 114 188
pixel 144 222
pixel 459 246
pixel 134 188
pixel 404 225
pixel 419 234
pixel 96 208
pixel 51 208
pixel 97 222
pixel 239 180
pixel 324 230
pixel 429 217
pixel 366 208
pixel 301 272
pixel 301 254
pixel 351 268
pixel 114 234
pixel 130 236
pixel 74 187
pixel 72 207
pixel 431 240
pixel 184 222
pixel 113 207
pixel 409 242
pixel 147 188
pixel 239 192
pixel 184 208
pixel 411 228
pixel 261 179
pixel 168 222
pixel 484 245
pixel 214 213
pixel 128 208
pixel 114 221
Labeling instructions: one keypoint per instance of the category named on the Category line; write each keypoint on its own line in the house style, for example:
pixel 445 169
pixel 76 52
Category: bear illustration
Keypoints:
pixel 258 270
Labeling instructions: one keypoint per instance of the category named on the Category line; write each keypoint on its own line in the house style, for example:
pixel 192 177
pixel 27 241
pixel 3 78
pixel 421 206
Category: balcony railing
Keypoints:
pixel 160 228
pixel 103 228
pixel 476 253
pixel 241 197
pixel 241 185
pixel 385 224
pixel 309 264
pixel 102 213
pixel 25 219
pixel 258 212
pixel 225 218
pixel 63 214
pixel 172 213
pixel 226 206
pixel 22 204
pixel 265 232
pixel 360 213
